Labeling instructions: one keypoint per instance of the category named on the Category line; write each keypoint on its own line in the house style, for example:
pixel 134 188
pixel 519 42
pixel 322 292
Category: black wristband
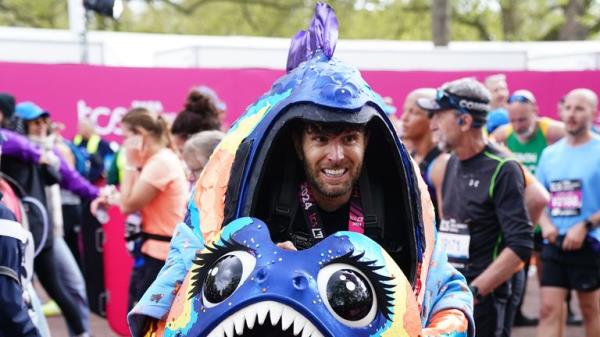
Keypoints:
pixel 476 294
pixel 589 225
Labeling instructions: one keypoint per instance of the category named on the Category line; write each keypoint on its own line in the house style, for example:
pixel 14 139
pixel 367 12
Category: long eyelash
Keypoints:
pixel 205 259
pixel 383 288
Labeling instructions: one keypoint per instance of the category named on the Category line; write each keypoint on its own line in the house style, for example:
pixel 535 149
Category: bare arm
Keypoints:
pixel 556 131
pixel 438 169
pixel 499 135
pixel 135 193
pixel 503 267
pixel 536 199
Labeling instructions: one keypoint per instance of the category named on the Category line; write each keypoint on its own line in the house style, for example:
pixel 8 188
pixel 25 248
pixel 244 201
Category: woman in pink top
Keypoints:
pixel 155 185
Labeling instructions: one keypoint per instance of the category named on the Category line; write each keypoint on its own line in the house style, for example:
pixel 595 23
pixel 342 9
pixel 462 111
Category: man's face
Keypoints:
pixel 499 91
pixel 522 118
pixel 332 162
pixel 38 127
pixel 446 131
pixel 415 123
pixel 577 114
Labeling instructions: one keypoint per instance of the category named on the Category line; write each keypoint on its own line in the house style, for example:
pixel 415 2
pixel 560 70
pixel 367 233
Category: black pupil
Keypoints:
pixel 223 278
pixel 349 294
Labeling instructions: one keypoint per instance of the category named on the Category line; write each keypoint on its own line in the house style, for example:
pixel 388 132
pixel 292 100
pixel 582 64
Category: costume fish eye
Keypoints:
pixel 346 285
pixel 224 276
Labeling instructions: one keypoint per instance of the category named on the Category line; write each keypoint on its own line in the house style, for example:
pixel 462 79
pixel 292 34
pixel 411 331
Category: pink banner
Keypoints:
pixel 105 93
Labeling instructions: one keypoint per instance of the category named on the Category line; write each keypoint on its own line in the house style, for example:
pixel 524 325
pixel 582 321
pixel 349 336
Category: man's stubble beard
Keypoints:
pixel 316 185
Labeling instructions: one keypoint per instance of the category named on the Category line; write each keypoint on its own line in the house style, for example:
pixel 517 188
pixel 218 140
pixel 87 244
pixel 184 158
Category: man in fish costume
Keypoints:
pixel 253 243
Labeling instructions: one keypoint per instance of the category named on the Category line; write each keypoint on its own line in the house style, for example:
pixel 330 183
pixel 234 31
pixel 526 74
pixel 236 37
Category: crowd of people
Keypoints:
pixel 511 190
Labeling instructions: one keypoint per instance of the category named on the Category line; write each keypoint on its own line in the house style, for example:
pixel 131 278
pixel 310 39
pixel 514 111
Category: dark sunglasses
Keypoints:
pixel 519 99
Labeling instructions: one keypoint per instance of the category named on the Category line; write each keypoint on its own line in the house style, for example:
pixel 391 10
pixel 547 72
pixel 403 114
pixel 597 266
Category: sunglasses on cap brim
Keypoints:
pixel 519 99
pixel 447 101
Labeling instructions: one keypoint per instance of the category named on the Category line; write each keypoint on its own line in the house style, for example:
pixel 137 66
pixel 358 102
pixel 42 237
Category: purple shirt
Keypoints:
pixel 19 147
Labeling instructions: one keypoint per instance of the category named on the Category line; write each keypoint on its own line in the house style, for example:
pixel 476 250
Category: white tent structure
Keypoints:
pixel 188 51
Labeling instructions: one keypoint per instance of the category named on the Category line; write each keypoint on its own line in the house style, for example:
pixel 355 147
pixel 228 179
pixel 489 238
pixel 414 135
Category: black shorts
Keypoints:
pixel 578 270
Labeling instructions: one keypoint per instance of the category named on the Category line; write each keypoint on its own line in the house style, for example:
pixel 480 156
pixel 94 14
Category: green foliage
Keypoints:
pixel 501 20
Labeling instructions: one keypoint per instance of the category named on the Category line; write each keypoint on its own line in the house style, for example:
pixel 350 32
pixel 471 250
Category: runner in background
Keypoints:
pixel 571 250
pixel 154 184
pixel 485 226
pixel 417 130
pixel 203 110
pixel 526 136
pixel 498 114
pixel 197 150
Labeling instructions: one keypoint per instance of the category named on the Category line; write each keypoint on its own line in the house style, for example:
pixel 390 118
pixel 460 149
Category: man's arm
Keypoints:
pixel 536 199
pixel 438 169
pixel 577 234
pixel 515 226
pixel 556 131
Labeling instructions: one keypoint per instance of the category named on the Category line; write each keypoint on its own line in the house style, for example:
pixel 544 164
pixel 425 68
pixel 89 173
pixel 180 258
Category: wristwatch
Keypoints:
pixel 476 294
pixel 589 225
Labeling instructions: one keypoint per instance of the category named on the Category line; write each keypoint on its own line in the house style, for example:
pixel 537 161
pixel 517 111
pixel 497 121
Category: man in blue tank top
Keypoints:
pixel 570 227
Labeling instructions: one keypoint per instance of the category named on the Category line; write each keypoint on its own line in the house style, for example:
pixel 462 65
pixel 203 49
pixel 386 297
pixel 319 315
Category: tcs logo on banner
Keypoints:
pixel 108 121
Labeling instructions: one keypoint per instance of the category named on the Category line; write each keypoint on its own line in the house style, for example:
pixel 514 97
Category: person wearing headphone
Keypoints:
pixel 485 227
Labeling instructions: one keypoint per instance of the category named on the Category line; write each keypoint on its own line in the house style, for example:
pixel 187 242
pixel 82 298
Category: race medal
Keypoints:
pixel 566 197
pixel 455 239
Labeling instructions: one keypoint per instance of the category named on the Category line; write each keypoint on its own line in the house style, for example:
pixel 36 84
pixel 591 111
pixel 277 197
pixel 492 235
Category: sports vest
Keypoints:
pixel 92 143
pixel 529 153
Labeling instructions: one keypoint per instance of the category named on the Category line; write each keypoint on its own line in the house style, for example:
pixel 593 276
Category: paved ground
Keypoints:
pixel 100 327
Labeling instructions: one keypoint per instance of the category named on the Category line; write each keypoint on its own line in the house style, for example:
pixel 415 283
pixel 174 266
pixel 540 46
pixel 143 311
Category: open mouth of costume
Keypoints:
pixel 266 319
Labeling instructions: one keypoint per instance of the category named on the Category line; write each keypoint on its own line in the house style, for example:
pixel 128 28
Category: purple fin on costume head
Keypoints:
pixel 322 34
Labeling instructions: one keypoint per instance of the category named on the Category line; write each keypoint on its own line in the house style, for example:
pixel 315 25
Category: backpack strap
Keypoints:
pixel 285 204
pixel 10 274
pixel 373 218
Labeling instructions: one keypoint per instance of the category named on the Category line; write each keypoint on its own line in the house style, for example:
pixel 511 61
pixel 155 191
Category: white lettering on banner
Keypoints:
pixel 108 121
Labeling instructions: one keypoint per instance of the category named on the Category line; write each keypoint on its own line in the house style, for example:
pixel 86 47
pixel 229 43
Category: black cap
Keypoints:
pixel 7 104
pixel 445 100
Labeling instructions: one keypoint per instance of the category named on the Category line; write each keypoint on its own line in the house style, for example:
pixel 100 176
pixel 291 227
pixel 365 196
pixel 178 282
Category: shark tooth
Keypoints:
pixel 275 312
pixel 228 327
pixel 239 322
pixel 299 324
pixel 287 317
pixel 308 330
pixel 250 316
pixel 262 309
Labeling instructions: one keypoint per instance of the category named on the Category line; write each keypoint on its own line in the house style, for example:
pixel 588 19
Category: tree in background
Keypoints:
pixel 487 20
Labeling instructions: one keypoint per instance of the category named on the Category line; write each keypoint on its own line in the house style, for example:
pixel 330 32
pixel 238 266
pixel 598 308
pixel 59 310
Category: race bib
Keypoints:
pixel 455 239
pixel 566 197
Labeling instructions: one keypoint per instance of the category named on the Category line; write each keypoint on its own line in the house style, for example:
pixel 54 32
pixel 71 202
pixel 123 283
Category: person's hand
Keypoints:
pixel 49 158
pixel 101 201
pixel 287 245
pixel 550 233
pixel 132 147
pixel 575 237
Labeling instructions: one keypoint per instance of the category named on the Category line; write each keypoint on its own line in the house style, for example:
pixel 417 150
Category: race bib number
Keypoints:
pixel 566 197
pixel 455 239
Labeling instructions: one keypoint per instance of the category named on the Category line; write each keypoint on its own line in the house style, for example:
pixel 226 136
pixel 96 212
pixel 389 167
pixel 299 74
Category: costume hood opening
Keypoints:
pixel 269 189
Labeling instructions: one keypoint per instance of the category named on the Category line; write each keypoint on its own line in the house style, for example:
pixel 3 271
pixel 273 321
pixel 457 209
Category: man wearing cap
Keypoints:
pixel 485 226
pixel 527 135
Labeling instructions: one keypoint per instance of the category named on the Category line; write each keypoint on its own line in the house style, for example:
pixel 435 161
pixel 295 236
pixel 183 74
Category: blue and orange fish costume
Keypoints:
pixel 224 275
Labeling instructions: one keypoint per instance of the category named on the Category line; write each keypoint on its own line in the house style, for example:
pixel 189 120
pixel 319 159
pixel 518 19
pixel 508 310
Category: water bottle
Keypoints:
pixel 102 215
